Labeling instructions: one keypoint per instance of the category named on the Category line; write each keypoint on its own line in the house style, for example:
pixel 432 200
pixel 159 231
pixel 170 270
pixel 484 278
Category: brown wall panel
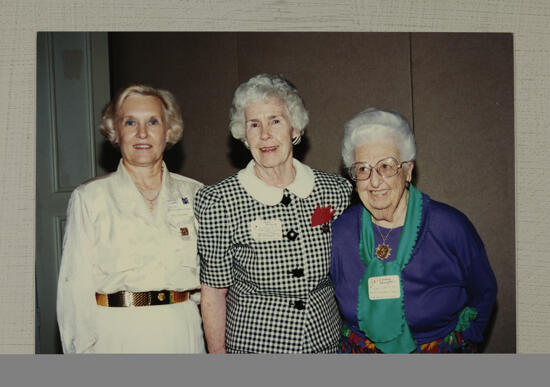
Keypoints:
pixel 338 75
pixel 201 70
pixel 464 127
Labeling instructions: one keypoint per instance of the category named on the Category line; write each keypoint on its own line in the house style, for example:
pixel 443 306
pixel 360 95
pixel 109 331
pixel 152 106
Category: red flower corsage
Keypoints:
pixel 321 215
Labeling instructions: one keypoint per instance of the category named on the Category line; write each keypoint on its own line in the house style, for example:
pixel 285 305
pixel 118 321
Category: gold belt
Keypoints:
pixel 154 297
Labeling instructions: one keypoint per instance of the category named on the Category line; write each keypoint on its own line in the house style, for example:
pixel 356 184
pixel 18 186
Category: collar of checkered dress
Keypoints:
pixel 302 185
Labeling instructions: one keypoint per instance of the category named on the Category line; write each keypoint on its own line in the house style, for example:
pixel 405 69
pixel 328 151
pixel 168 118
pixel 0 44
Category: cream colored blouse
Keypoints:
pixel 114 242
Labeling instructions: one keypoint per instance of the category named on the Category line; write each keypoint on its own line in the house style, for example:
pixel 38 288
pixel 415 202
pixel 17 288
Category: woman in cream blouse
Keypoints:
pixel 129 275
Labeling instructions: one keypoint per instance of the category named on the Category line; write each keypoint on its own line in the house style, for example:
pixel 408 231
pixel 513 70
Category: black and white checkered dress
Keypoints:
pixel 280 298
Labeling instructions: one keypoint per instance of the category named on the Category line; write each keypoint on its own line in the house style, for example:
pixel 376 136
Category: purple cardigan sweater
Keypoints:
pixel 448 271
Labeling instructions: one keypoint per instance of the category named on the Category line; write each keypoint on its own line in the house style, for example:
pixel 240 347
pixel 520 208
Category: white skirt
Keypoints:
pixel 174 328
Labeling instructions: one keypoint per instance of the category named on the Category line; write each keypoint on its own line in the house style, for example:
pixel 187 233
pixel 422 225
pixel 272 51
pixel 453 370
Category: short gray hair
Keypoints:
pixel 171 109
pixel 261 87
pixel 375 124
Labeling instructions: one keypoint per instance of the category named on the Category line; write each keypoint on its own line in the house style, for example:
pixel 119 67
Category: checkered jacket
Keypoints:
pixel 280 298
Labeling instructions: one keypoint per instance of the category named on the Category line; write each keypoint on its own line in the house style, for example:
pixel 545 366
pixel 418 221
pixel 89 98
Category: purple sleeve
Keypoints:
pixel 481 285
pixel 456 231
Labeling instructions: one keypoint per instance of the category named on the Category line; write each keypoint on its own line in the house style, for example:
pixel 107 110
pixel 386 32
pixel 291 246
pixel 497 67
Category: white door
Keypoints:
pixel 72 88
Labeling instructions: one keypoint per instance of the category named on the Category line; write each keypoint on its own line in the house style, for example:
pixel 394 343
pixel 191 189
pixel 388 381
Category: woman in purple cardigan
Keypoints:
pixel 410 274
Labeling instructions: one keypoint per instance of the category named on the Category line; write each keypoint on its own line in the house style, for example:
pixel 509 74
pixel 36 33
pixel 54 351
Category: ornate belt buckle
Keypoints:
pixel 160 297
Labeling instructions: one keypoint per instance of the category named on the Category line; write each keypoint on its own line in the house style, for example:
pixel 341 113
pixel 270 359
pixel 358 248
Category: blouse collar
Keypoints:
pixel 302 186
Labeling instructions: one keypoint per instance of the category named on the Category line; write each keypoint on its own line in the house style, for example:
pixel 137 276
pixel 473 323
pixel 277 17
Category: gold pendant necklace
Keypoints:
pixel 151 201
pixel 383 251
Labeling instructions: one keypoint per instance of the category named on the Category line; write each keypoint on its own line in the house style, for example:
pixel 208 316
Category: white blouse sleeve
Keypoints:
pixel 75 290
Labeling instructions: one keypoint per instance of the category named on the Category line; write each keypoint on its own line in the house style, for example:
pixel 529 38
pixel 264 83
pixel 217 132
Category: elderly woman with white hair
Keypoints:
pixel 410 274
pixel 130 262
pixel 264 235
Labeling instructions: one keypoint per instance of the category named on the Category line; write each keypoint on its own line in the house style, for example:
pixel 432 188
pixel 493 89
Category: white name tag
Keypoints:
pixel 384 287
pixel 266 230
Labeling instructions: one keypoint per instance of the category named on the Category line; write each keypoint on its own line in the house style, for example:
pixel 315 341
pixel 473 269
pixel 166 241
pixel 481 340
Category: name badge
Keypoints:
pixel 266 230
pixel 384 287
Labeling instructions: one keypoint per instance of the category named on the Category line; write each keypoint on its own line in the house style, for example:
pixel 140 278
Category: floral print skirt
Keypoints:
pixel 353 342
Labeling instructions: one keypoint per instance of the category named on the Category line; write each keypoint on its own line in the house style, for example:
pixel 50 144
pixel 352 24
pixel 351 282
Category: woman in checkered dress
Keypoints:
pixel 265 235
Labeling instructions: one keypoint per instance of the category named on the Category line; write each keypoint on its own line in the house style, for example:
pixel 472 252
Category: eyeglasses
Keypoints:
pixel 387 167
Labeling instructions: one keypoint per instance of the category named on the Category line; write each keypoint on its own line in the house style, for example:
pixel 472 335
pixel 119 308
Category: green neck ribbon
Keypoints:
pixel 383 321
